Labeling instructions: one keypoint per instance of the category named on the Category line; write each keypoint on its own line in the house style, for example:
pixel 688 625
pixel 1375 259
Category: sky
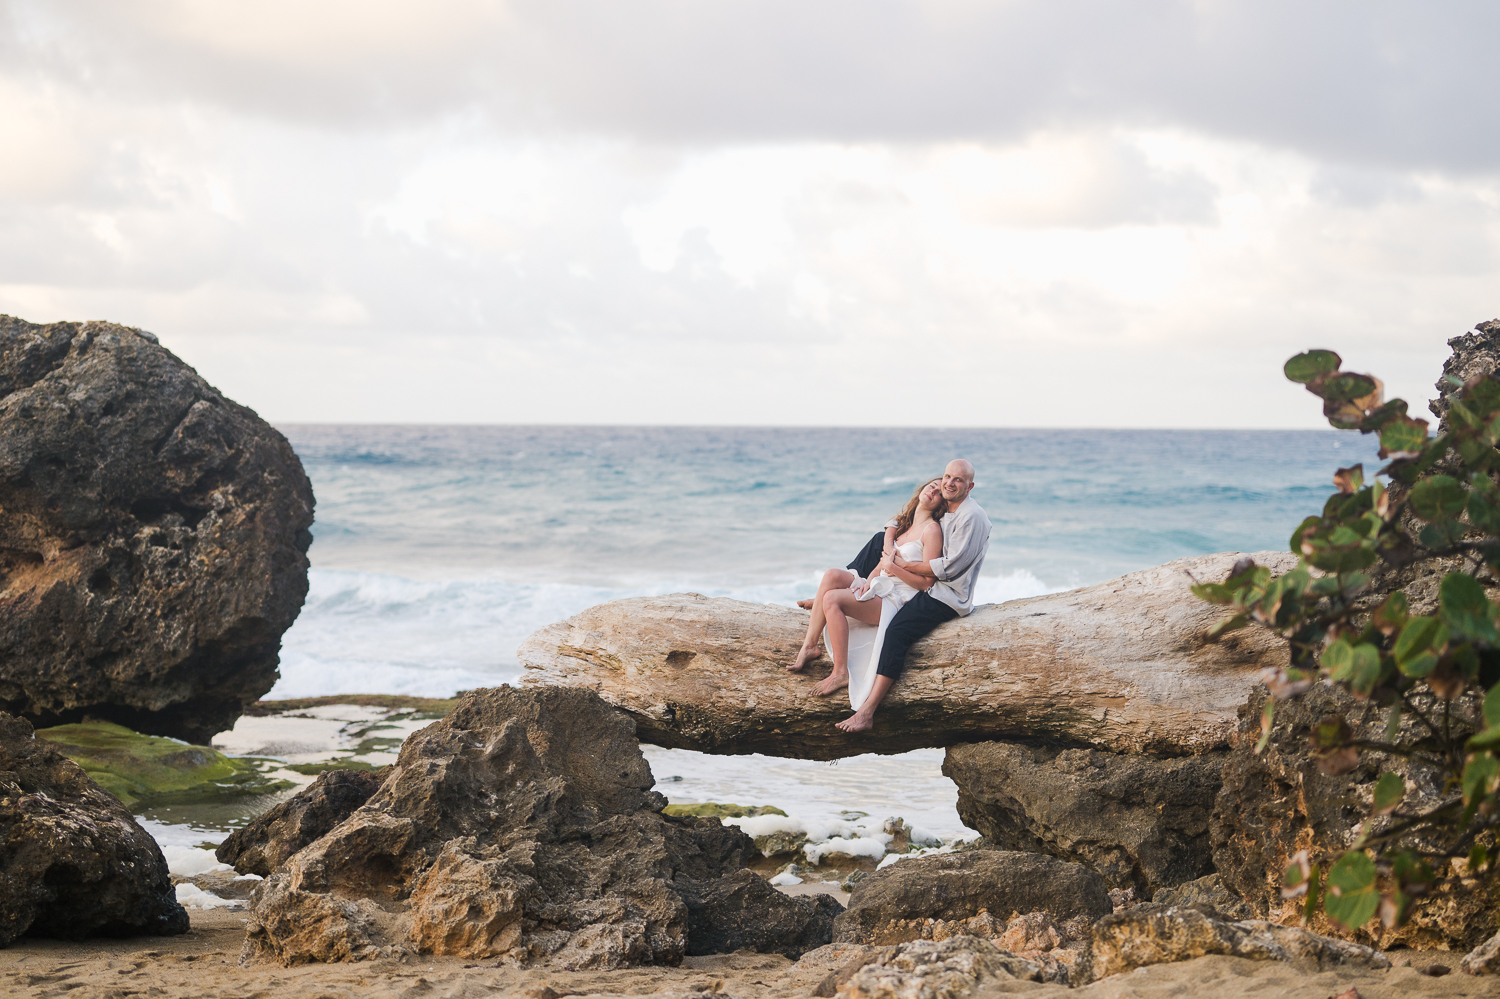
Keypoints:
pixel 852 212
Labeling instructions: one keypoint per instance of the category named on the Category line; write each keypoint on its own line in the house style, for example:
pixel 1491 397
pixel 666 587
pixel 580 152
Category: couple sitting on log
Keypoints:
pixel 908 580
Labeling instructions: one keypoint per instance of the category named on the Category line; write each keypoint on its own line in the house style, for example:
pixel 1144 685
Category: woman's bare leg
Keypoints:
pixel 833 579
pixel 838 607
pixel 864 718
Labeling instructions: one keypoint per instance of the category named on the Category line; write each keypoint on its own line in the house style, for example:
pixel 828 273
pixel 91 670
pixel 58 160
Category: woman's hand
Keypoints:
pixel 859 586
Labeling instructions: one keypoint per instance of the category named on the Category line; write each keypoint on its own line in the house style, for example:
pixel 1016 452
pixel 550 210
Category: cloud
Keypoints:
pixel 1396 84
pixel 924 214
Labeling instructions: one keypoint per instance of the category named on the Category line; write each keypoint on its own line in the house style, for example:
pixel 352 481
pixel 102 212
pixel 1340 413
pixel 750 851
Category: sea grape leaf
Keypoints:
pixel 1484 505
pixel 1417 637
pixel 1465 608
pixel 1492 706
pixel 1391 615
pixel 1480 774
pixel 1365 673
pixel 1311 364
pixel 1349 480
pixel 1389 790
pixel 1351 898
pixel 1346 386
pixel 1402 437
pixel 1441 497
pixel 1338 660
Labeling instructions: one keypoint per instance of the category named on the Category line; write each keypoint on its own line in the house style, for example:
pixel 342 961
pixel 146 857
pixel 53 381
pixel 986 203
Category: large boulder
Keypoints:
pixel 893 904
pixel 277 833
pixel 521 826
pixel 73 862
pixel 741 911
pixel 153 535
pixel 1278 802
pixel 1140 821
pixel 1122 666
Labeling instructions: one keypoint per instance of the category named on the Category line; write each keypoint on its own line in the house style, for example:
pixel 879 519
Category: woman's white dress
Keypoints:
pixel 865 640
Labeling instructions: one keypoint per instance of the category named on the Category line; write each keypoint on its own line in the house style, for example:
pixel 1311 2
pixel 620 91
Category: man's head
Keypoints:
pixel 958 481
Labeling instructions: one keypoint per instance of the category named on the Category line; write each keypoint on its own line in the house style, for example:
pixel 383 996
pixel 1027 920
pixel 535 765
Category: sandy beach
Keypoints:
pixel 205 963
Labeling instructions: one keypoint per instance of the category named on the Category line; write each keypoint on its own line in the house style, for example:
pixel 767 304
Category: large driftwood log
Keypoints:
pixel 1122 666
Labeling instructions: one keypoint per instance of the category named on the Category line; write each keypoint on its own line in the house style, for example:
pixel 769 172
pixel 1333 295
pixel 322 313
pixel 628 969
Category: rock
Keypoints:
pixel 720 810
pixel 153 535
pixel 743 911
pixel 1484 959
pixel 73 862
pixel 521 826
pixel 1276 803
pixel 151 771
pixel 1134 939
pixel 888 906
pixel 276 834
pixel 946 969
pixel 705 674
pixel 1208 895
pixel 1476 353
pixel 840 961
pixel 1140 821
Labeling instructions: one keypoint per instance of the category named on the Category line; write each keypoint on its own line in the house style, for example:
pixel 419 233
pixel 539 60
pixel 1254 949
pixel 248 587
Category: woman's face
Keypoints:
pixel 932 496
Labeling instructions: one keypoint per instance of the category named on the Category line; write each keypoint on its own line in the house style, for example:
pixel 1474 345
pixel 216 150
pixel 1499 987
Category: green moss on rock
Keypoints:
pixel 720 810
pixel 149 770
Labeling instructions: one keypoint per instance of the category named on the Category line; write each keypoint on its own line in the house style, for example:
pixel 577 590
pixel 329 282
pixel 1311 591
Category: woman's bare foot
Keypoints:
pixel 805 604
pixel 835 681
pixel 857 722
pixel 804 656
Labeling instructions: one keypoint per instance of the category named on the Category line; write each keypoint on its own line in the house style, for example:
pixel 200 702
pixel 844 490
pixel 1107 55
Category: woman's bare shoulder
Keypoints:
pixel 933 529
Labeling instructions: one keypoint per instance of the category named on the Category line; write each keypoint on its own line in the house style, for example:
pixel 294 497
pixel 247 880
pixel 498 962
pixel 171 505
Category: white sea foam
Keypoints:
pixel 872 847
pixel 190 861
pixel 190 896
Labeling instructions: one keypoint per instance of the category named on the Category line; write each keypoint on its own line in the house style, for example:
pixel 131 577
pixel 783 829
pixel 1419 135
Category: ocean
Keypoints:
pixel 437 549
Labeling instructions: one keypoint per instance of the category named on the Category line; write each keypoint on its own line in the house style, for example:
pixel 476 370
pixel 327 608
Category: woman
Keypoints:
pixel 916 534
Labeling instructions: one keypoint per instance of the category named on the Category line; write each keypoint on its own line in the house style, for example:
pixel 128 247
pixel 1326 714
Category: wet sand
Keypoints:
pixel 205 963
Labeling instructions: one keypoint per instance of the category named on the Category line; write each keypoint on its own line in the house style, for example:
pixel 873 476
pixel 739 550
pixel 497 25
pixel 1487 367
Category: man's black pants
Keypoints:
pixel 921 614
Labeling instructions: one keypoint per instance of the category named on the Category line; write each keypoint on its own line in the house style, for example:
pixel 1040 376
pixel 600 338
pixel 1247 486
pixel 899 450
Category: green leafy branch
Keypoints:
pixel 1441 503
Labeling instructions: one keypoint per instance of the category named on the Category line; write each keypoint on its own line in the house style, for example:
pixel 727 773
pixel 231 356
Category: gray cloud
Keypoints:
pixel 1393 84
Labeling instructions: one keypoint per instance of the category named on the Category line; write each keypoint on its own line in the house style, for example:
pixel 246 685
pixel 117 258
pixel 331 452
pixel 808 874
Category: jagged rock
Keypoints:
pixel 153 535
pixel 892 905
pixel 1140 821
pixel 73 862
pixel 1208 895
pixel 946 969
pixel 276 834
pixel 1484 959
pixel 1277 802
pixel 743 911
pixel 1476 353
pixel 705 674
pixel 1135 938
pixel 521 826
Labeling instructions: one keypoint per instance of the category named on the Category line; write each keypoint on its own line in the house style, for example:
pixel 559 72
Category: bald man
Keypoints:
pixel 947 585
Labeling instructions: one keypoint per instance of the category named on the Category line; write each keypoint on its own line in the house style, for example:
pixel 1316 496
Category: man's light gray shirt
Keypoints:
pixel 966 539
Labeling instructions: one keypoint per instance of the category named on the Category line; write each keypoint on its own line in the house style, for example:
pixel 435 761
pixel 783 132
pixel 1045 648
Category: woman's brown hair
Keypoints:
pixel 909 511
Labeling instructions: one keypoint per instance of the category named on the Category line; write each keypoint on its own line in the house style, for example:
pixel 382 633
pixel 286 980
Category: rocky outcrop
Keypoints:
pixel 1208 895
pixel 1476 353
pixel 741 911
pixel 521 826
pixel 153 535
pixel 1484 959
pixel 1140 821
pixel 276 834
pixel 1278 802
pixel 892 905
pixel 946 969
pixel 73 862
pixel 1122 666
pixel 1135 939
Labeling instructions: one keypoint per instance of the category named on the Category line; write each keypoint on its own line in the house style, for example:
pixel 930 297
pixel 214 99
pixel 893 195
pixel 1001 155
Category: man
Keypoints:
pixel 947 583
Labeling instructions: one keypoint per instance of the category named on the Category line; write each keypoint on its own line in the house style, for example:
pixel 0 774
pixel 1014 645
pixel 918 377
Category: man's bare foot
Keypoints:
pixel 857 722
pixel 834 682
pixel 805 604
pixel 804 656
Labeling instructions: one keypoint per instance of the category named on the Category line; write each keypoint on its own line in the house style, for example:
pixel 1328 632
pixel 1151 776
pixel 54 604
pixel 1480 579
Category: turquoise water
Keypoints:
pixel 438 549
